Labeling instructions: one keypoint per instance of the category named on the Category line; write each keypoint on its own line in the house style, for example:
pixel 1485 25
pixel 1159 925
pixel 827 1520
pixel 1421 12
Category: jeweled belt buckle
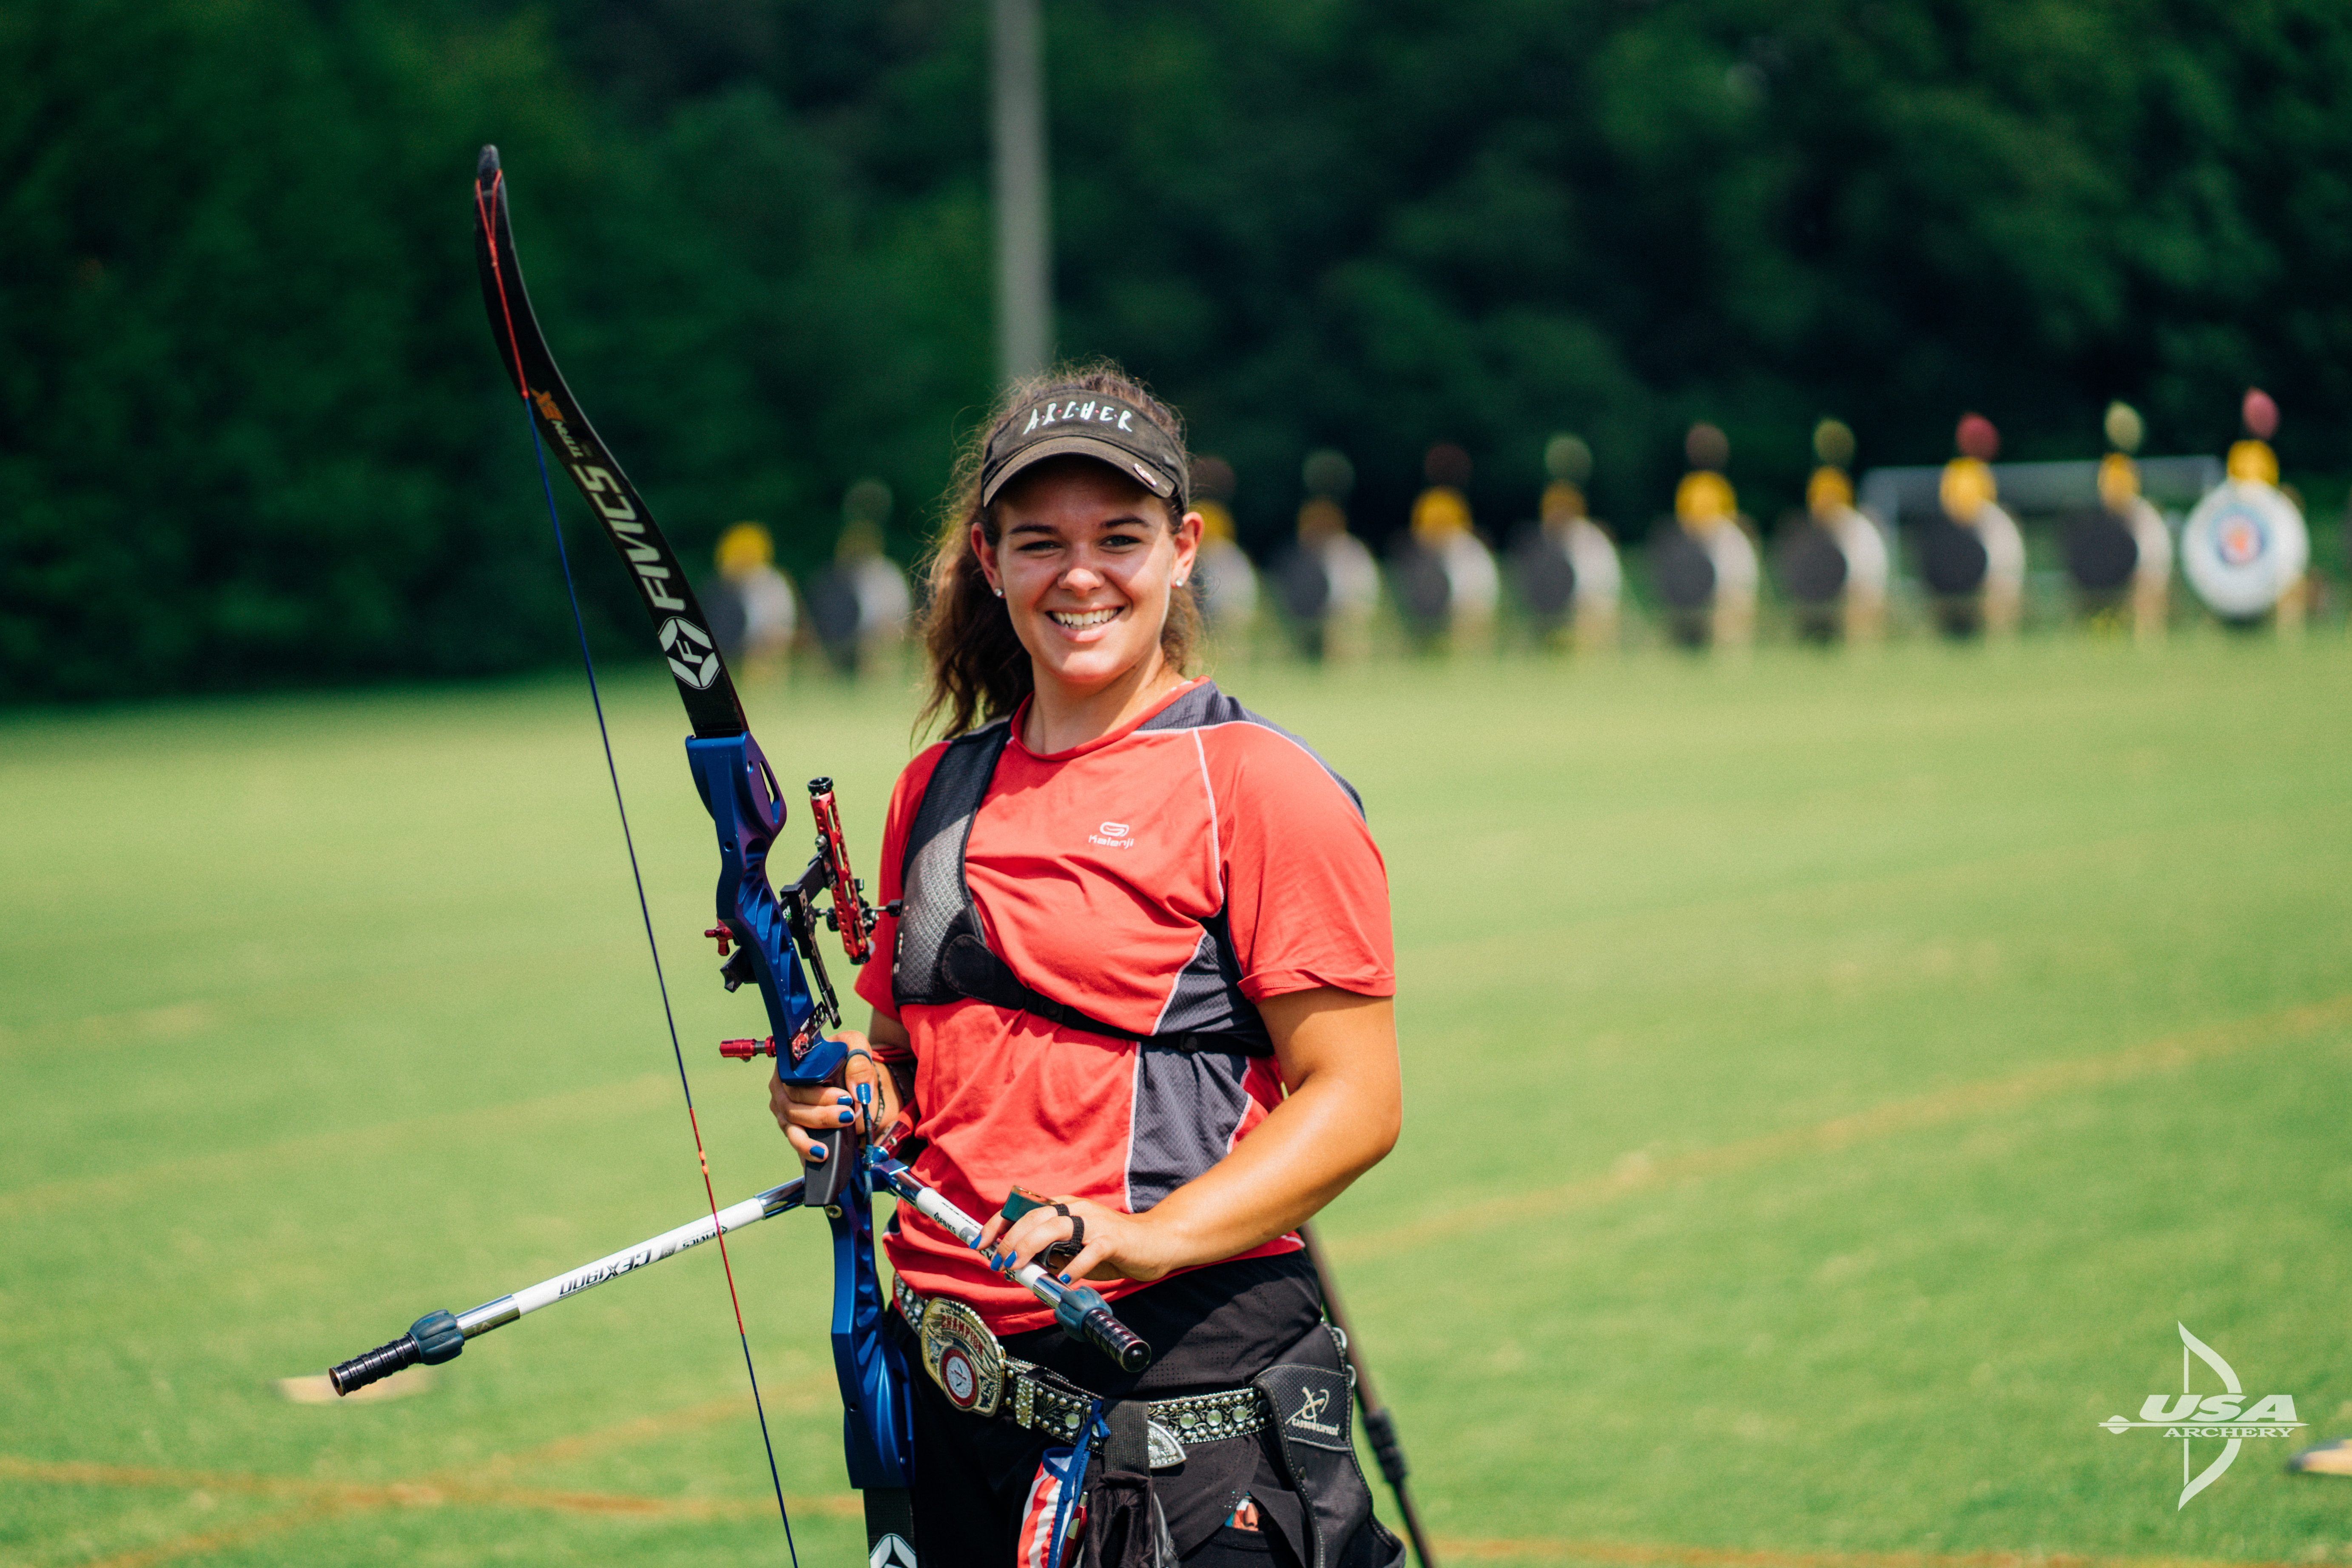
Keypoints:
pixel 961 1356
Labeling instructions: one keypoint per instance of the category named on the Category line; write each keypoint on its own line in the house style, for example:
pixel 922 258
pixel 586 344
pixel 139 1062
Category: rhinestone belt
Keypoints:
pixel 1039 1406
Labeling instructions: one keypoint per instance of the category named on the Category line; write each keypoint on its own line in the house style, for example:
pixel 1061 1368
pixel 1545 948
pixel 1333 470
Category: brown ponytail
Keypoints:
pixel 980 671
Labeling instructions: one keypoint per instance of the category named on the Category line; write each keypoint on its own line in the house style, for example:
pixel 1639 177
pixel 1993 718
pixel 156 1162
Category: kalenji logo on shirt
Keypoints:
pixel 1112 836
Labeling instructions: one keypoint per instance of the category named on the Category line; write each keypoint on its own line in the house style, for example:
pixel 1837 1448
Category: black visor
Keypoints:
pixel 1086 425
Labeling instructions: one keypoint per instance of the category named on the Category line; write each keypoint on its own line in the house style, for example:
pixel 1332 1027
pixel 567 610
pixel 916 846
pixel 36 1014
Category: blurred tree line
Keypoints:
pixel 252 432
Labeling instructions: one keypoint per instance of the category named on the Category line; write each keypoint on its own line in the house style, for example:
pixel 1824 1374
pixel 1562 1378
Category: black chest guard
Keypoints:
pixel 943 956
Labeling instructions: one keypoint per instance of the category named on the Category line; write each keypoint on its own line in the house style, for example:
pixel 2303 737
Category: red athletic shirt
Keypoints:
pixel 1093 870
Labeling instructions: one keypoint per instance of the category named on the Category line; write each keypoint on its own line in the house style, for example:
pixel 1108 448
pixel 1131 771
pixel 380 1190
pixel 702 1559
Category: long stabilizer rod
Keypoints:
pixel 439 1336
pixel 1380 1427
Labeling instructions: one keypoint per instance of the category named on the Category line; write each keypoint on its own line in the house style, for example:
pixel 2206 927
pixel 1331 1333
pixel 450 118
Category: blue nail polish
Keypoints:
pixel 847 1116
pixel 816 1153
pixel 1065 1279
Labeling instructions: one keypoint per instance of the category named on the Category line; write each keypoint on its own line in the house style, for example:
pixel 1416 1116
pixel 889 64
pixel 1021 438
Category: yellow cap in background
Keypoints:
pixel 1441 511
pixel 1704 498
pixel 2119 480
pixel 1966 488
pixel 1828 490
pixel 2254 462
pixel 746 547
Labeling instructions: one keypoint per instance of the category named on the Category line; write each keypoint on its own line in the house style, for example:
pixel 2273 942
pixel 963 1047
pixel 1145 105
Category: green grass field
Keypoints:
pixel 1830 1080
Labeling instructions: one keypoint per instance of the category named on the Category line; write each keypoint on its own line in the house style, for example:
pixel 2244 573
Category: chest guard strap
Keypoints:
pixel 943 956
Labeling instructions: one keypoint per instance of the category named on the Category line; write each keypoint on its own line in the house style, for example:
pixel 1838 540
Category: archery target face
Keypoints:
pixel 1952 558
pixel 1423 589
pixel 1305 584
pixel 2238 539
pixel 2243 546
pixel 1812 568
pixel 2100 553
pixel 1685 571
pixel 1546 577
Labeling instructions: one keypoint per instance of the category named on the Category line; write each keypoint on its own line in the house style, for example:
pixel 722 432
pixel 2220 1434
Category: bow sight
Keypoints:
pixel 828 871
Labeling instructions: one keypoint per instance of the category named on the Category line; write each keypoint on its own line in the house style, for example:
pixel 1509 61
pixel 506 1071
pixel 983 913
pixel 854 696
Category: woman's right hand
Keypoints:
pixel 1111 1243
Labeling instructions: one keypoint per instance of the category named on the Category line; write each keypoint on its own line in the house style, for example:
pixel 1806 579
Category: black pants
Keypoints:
pixel 972 1479
pixel 1214 1329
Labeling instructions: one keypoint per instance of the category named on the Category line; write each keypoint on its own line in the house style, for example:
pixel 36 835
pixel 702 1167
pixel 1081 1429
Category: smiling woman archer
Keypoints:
pixel 1138 1009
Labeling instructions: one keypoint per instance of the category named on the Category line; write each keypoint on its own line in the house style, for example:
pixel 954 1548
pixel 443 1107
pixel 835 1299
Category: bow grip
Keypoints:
pixel 823 1059
pixel 828 1178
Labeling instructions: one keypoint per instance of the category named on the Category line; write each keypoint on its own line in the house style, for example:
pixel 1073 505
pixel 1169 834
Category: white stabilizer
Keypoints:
pixel 1039 1281
pixel 669 1243
pixel 951 1219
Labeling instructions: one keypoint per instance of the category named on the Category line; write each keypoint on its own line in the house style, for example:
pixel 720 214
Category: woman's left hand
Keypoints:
pixel 1112 1244
pixel 803 1111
